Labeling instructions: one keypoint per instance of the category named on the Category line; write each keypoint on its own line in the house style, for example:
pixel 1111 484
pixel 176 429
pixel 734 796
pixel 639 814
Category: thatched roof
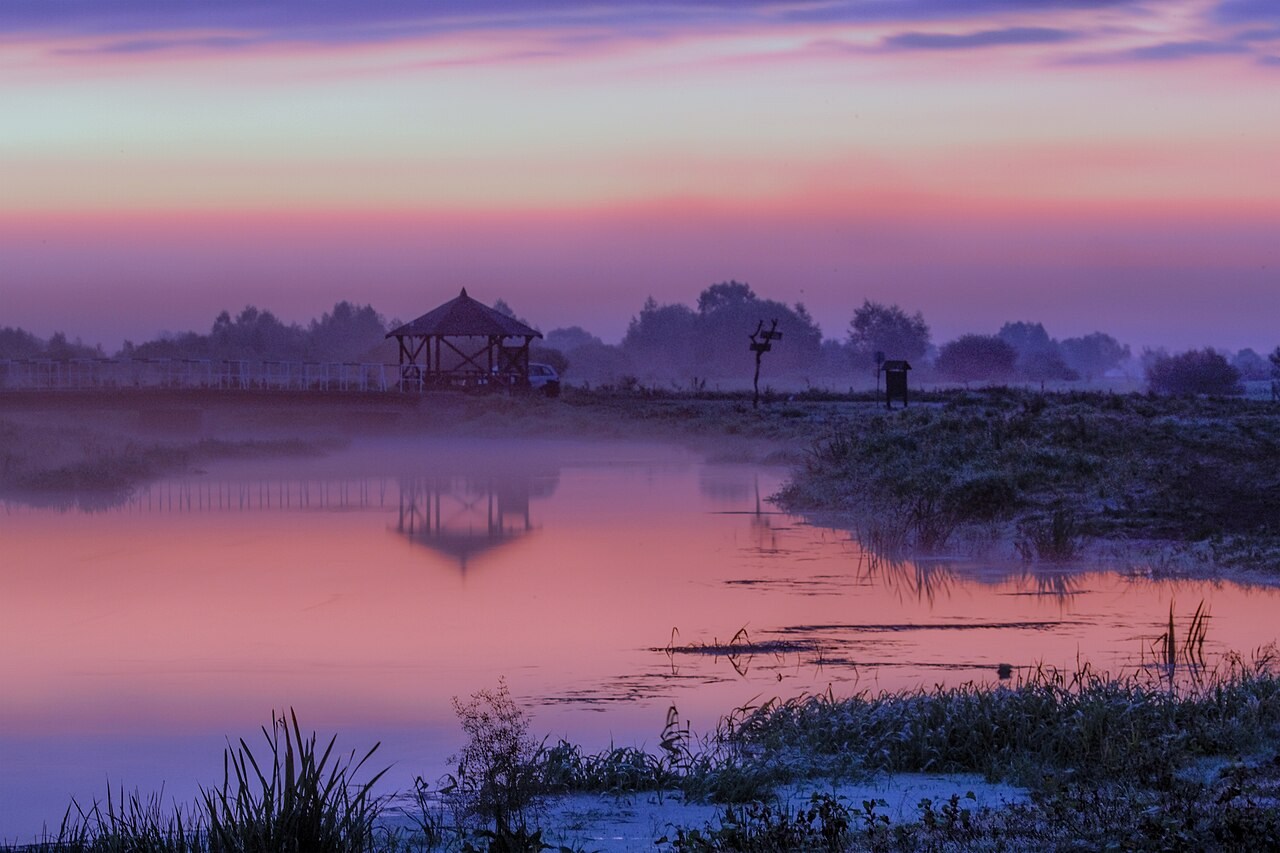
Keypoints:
pixel 463 317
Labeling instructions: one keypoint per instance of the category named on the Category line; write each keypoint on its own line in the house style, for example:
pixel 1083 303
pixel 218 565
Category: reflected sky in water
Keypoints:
pixel 367 588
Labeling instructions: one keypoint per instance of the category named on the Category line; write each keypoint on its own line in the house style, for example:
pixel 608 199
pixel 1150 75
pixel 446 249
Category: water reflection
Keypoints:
pixel 197 605
pixel 464 517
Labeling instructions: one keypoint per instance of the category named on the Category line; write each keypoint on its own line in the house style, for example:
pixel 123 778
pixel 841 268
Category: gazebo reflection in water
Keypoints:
pixel 463 517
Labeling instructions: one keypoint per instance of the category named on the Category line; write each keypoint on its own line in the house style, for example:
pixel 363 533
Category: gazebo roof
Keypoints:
pixel 464 317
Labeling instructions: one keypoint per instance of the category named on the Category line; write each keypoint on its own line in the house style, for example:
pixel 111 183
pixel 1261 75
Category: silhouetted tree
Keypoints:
pixel 887 329
pixel 729 311
pixel 1094 354
pixel 1193 372
pixel 1039 357
pixel 61 349
pixel 348 333
pixel 19 343
pixel 1274 358
pixel 501 306
pixel 549 355
pixel 568 339
pixel 972 358
pixel 726 294
pixel 1026 338
pixel 598 363
pixel 674 342
pixel 168 345
pixel 1251 365
pixel 256 334
pixel 662 337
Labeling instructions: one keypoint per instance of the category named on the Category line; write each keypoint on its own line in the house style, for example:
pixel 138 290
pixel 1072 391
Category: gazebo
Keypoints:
pixel 464 344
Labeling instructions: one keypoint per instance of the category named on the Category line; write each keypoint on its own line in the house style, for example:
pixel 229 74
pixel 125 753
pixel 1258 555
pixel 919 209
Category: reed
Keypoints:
pixel 305 800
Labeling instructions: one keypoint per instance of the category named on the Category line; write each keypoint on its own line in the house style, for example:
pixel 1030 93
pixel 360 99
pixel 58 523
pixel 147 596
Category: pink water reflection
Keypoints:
pixel 368 588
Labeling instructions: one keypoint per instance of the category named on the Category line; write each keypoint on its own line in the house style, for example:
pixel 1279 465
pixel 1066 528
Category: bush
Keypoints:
pixel 977 357
pixel 497 776
pixel 1193 372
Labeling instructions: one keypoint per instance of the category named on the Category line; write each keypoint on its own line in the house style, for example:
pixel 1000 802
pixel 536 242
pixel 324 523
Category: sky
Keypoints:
pixel 1089 164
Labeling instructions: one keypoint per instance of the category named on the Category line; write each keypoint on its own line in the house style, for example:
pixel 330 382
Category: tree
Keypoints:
pixel 1250 364
pixel 1274 358
pixel 972 358
pixel 1093 354
pixel 61 349
pixel 347 333
pixel 887 329
pixel 727 314
pixel 1039 356
pixel 1026 338
pixel 726 294
pixel 568 339
pixel 661 337
pixel 19 343
pixel 256 334
pixel 1193 372
pixel 674 342
pixel 1045 366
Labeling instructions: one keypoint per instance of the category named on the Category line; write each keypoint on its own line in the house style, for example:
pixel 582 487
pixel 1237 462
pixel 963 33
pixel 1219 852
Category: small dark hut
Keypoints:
pixel 895 381
pixel 464 344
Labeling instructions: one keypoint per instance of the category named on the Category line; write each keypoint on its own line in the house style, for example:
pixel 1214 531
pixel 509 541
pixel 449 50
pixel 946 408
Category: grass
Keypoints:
pixel 1109 760
pixel 297 799
pixel 1055 472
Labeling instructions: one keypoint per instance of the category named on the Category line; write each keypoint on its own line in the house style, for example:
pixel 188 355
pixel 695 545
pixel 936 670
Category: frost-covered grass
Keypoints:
pixel 1055 471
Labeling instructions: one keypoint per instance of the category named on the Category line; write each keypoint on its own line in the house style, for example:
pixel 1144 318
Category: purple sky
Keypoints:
pixel 1087 164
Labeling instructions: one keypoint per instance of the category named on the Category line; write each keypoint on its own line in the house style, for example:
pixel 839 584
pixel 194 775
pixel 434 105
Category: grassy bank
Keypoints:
pixel 1054 472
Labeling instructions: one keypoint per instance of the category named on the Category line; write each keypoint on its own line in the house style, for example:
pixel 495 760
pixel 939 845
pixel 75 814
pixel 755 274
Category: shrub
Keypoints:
pixel 497 778
pixel 977 357
pixel 1193 372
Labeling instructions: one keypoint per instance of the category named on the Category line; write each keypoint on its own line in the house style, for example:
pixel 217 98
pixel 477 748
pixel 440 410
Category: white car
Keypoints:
pixel 544 378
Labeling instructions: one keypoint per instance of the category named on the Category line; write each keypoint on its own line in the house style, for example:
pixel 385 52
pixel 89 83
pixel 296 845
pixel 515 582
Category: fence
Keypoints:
pixel 79 374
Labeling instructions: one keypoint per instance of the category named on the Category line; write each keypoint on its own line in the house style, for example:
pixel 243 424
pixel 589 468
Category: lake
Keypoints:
pixel 368 587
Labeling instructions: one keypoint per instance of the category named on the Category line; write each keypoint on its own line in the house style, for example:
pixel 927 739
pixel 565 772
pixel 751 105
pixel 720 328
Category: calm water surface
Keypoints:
pixel 367 588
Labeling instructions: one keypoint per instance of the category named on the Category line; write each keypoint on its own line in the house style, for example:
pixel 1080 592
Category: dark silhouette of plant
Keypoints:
pixel 497 779
pixel 887 329
pixel 973 358
pixel 1251 365
pixel 1093 354
pixel 1193 372
pixel 1039 356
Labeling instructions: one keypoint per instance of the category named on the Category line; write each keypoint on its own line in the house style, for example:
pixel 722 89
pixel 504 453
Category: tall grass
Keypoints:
pixel 297 799
pixel 303 801
pixel 1134 727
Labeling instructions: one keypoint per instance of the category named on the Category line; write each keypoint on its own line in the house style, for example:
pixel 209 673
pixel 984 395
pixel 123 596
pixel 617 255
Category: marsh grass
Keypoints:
pixel 1135 727
pixel 306 799
pixel 298 799
pixel 1057 471
pixel 1106 757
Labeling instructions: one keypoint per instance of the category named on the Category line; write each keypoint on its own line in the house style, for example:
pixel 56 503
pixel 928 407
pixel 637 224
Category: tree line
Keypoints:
pixel 706 345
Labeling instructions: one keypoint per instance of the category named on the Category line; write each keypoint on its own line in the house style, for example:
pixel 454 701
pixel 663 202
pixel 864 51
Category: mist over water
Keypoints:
pixel 368 587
